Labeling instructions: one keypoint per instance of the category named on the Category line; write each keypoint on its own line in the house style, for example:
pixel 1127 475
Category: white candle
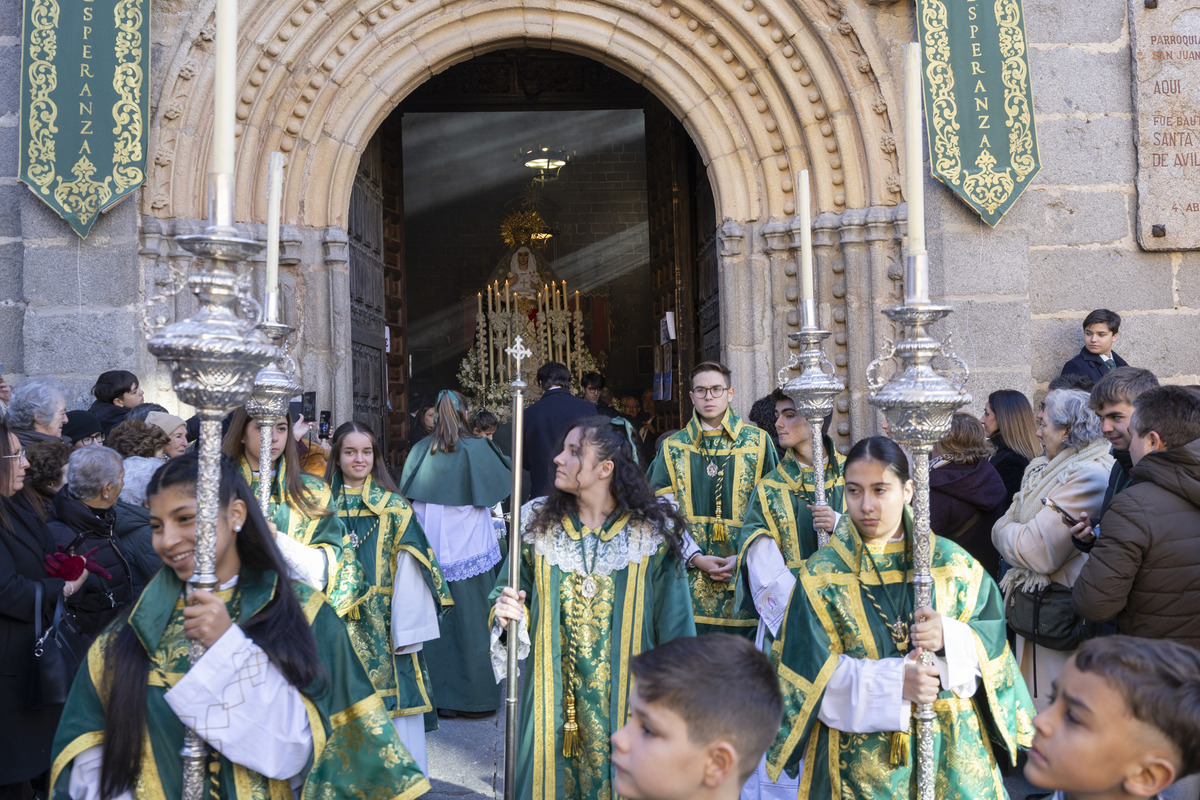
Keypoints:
pixel 806 259
pixel 225 89
pixel 274 196
pixel 913 162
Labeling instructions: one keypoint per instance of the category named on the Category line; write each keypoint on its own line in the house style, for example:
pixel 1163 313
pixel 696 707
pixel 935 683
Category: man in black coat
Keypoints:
pixel 547 420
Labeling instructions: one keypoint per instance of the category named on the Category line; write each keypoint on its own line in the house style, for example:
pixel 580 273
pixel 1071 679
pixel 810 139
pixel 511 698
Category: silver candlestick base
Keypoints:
pixel 813 392
pixel 274 387
pixel 213 357
pixel 918 402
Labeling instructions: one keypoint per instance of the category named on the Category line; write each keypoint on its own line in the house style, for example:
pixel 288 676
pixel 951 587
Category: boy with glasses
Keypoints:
pixel 709 469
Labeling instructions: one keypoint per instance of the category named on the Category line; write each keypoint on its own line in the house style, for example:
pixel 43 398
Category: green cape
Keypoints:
pixel 475 474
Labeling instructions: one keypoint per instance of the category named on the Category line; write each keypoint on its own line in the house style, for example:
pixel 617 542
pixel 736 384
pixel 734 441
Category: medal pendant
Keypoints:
pixel 588 587
pixel 354 540
pixel 712 470
pixel 900 635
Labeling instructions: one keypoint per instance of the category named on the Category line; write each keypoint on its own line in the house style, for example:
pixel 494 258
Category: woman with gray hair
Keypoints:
pixel 38 410
pixel 1034 537
pixel 82 520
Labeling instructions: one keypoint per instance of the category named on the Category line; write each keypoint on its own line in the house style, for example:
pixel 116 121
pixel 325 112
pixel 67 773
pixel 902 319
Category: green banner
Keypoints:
pixel 83 104
pixel 978 101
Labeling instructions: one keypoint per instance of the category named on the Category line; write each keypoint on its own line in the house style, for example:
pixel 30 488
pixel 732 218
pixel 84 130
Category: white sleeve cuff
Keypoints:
pixel 866 696
pixel 689 546
pixel 305 564
pixel 85 776
pixel 771 582
pixel 240 703
pixel 414 615
pixel 959 668
pixel 499 649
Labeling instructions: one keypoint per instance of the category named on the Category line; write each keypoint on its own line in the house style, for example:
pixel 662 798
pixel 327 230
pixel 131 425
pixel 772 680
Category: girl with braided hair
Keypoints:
pixel 603 581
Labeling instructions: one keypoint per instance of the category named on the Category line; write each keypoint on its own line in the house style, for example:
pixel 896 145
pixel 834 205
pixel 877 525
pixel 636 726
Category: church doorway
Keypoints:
pixel 442 209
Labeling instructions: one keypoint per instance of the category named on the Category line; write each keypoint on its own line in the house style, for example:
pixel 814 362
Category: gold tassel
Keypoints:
pixel 571 746
pixel 720 534
pixel 899 754
pixel 354 614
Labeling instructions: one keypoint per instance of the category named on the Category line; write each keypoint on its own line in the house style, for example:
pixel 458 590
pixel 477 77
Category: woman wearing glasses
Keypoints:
pixel 25 733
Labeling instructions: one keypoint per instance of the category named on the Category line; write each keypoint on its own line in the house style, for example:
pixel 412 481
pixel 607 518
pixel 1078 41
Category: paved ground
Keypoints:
pixel 466 760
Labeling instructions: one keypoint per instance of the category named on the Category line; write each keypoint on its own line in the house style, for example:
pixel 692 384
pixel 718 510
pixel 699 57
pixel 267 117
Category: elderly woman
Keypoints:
pixel 82 518
pixel 143 447
pixel 175 429
pixel 25 733
pixel 1035 538
pixel 38 410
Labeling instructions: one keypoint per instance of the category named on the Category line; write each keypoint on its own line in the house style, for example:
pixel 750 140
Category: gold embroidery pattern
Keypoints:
pixel 43 76
pixel 587 635
pixel 128 81
pixel 83 197
pixel 986 187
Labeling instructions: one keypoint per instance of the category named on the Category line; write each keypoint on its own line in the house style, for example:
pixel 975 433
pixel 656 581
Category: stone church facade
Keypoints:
pixel 764 88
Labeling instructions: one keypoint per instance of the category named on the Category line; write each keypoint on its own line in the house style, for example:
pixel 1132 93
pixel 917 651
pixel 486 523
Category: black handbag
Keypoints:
pixel 57 652
pixel 1046 617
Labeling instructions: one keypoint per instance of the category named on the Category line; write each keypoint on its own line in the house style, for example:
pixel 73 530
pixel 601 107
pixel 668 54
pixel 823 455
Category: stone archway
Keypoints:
pixel 764 87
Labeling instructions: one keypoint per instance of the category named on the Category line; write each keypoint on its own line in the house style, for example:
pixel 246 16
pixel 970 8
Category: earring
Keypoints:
pixel 237 528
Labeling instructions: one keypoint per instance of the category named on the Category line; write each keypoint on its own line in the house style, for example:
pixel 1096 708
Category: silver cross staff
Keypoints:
pixel 519 352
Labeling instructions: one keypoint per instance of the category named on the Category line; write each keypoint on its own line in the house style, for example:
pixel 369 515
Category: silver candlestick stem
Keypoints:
pixel 813 392
pixel 919 402
pixel 213 357
pixel 274 387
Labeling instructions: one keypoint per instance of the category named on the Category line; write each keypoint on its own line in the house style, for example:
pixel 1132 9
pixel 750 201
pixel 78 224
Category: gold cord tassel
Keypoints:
pixel 571 746
pixel 720 532
pixel 354 614
pixel 899 754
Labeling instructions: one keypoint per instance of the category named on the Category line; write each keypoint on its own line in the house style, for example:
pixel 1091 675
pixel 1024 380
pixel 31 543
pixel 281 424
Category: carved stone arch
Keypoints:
pixel 764 87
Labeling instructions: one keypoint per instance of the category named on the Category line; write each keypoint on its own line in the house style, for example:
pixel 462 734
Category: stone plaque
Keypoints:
pixel 1166 100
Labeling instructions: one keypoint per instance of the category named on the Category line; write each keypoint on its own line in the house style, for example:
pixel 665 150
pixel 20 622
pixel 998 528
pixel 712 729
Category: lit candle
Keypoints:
pixel 274 196
pixel 806 259
pixel 478 304
pixel 913 163
pixel 225 89
pixel 507 300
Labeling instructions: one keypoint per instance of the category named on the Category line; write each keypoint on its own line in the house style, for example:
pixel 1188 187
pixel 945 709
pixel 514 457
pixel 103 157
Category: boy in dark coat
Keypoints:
pixel 1100 330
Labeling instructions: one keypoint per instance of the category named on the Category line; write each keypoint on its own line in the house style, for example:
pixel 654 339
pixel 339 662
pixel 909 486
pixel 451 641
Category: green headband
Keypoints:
pixel 623 423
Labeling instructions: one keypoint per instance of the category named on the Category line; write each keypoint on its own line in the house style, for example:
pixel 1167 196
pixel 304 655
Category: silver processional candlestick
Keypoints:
pixel 274 387
pixel 213 357
pixel 812 393
pixel 519 353
pixel 919 402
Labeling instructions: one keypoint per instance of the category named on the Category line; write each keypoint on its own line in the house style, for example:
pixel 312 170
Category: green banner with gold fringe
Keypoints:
pixel 978 101
pixel 83 104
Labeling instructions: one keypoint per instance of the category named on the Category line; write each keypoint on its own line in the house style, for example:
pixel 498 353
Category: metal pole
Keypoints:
pixel 213 357
pixel 919 402
pixel 519 353
pixel 274 387
pixel 813 392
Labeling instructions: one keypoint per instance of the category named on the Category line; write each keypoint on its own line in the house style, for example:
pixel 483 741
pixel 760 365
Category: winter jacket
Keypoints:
pixel 132 529
pixel 1089 364
pixel 109 415
pixel 100 599
pixel 965 500
pixel 1010 464
pixel 1144 569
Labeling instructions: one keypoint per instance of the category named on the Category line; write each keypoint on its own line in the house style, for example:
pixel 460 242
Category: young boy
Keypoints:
pixel 709 470
pixel 1144 568
pixel 116 392
pixel 1100 330
pixel 702 712
pixel 1124 723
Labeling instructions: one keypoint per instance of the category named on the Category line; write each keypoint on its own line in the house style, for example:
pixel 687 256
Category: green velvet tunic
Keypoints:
pixel 830 613
pixel 381 525
pixel 742 454
pixel 356 752
pixel 345 585
pixel 587 642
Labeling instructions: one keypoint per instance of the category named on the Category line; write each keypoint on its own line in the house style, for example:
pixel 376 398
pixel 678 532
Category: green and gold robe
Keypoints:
pixel 356 752
pixel 345 586
pixel 779 508
pixel 381 525
pixel 830 613
pixel 742 454
pixel 639 601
